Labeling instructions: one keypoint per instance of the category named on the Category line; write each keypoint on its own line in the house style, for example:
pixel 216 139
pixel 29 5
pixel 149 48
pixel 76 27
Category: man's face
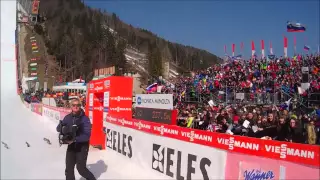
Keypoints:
pixel 75 106
pixel 281 120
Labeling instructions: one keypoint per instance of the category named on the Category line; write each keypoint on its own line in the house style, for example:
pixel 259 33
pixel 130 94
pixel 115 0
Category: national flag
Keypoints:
pixel 150 87
pixel 295 27
pixel 306 48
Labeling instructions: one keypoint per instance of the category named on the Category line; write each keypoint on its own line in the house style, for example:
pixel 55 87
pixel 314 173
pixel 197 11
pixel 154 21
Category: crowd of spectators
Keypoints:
pixel 61 98
pixel 269 98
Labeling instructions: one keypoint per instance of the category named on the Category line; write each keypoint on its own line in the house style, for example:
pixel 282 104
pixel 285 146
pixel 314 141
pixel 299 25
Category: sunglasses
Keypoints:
pixel 76 105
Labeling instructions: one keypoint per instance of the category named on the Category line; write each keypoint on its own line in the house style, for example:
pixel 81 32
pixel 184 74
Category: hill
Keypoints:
pixel 82 39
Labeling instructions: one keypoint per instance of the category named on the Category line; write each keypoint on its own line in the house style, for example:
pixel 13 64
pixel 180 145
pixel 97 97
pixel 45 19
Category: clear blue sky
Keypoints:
pixel 212 24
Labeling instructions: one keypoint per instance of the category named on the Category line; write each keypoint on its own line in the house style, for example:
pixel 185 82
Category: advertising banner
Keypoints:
pixel 113 99
pixel 37 108
pixel 51 114
pixel 242 167
pixel 163 116
pixel 55 113
pixel 45 86
pixel 298 153
pixel 35 7
pixel 157 101
pixel 35 59
pixel 169 158
pixel 76 84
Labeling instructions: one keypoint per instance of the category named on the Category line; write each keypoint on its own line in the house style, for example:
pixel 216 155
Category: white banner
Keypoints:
pixel 51 114
pixel 45 84
pixel 157 101
pixel 168 158
pixel 106 97
pixel 90 99
pixel 46 101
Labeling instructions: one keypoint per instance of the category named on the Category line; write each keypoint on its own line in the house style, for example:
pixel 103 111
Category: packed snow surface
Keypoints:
pixel 21 128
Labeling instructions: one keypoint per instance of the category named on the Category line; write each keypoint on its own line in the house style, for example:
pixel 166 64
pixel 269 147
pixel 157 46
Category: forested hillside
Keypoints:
pixel 82 38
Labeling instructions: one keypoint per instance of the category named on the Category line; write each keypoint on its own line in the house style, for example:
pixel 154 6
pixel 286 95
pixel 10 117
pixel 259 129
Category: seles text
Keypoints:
pixel 119 142
pixel 171 164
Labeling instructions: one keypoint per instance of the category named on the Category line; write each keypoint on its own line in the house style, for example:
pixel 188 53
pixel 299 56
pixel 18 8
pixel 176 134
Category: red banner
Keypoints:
pixel 293 152
pixel 35 7
pixel 108 96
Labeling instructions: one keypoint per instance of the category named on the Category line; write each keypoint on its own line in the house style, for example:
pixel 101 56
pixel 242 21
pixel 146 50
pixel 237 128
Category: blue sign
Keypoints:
pixel 257 174
pixel 90 108
pixel 139 100
pixel 106 109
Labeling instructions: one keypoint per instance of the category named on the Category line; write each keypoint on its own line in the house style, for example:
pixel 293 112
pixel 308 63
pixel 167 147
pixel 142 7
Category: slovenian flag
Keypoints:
pixel 295 27
pixel 306 48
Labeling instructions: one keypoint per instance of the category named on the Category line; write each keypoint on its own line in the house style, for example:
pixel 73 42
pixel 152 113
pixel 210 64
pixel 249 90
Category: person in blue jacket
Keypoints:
pixel 78 148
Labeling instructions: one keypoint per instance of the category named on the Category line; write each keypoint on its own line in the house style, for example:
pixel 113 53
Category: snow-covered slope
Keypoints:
pixel 19 127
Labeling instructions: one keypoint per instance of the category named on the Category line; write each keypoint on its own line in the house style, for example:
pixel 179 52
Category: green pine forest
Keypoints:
pixel 80 40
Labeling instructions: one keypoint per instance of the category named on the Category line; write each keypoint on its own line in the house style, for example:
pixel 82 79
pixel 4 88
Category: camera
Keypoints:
pixel 67 133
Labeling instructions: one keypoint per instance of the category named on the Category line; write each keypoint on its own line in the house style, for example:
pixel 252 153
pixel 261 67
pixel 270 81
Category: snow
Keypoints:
pixel 20 126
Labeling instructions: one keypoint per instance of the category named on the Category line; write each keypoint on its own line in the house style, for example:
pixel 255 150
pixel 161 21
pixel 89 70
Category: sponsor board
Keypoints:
pixel 106 84
pixel 298 153
pixel 35 7
pixel 245 166
pixel 119 142
pixel 35 59
pixel 120 98
pixel 106 96
pixel 90 116
pixel 76 84
pixel 55 113
pixel 36 108
pixel 119 109
pixel 163 116
pixel 51 114
pixel 156 101
pixel 90 99
pixel 167 157
pixel 256 171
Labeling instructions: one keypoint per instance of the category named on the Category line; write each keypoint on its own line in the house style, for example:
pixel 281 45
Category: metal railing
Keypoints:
pixel 277 98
